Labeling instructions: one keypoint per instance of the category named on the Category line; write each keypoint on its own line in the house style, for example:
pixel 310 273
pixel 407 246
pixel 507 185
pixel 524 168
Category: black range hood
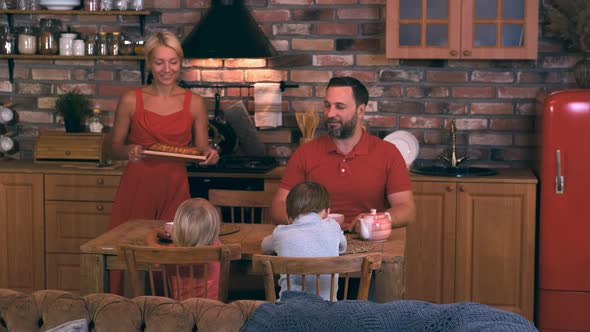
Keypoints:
pixel 227 30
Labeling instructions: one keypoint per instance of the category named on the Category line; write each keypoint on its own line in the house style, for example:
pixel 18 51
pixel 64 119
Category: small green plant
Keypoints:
pixel 73 105
pixel 570 21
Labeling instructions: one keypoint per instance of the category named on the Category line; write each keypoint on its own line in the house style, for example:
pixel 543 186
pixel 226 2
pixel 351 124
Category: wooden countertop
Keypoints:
pixel 28 166
pixel 505 175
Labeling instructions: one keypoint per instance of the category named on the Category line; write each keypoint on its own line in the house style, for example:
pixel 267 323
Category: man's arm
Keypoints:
pixel 278 211
pixel 402 208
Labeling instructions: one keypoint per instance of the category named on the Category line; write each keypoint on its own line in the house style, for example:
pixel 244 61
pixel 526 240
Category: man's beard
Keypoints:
pixel 346 129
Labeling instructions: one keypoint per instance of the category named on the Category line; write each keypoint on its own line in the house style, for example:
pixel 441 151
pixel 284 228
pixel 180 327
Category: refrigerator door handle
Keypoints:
pixel 559 183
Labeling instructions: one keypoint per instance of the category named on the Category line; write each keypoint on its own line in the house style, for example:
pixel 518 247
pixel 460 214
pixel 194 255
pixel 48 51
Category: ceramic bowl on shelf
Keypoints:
pixel 60 4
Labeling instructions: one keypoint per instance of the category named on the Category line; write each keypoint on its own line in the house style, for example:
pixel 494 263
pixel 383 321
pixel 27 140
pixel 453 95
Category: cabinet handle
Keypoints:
pixel 467 53
pixel 450 188
pixel 461 188
pixel 99 207
pixel 99 181
pixel 559 181
pixel 454 53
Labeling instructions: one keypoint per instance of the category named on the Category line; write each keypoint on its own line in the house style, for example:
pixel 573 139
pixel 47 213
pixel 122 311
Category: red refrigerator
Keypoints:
pixel 563 289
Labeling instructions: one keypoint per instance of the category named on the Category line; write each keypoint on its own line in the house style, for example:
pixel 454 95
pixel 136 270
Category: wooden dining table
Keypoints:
pixel 99 255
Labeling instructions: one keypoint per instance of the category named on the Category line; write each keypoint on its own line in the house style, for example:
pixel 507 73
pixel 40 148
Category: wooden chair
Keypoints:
pixel 242 206
pixel 177 259
pixel 313 267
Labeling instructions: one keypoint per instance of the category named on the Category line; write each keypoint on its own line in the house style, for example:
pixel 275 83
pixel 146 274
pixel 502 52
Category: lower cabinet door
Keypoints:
pixel 22 257
pixel 430 247
pixel 495 257
pixel 71 224
pixel 63 272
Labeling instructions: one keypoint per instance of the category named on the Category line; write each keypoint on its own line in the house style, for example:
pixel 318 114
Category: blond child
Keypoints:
pixel 310 233
pixel 196 223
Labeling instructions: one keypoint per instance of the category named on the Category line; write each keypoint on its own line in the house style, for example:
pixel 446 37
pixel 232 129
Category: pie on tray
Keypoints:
pixel 167 150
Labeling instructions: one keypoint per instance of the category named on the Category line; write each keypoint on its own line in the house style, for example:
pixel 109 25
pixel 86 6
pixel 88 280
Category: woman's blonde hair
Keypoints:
pixel 162 38
pixel 196 223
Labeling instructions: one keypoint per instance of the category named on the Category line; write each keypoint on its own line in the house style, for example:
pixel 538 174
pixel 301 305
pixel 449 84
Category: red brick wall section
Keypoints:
pixel 492 101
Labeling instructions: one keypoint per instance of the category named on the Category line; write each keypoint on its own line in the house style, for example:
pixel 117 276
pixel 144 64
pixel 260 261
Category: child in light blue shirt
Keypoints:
pixel 309 234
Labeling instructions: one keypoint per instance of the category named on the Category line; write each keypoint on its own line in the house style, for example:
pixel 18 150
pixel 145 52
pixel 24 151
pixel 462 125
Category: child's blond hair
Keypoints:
pixel 196 223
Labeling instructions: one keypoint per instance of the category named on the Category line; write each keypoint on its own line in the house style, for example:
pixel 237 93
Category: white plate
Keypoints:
pixel 406 143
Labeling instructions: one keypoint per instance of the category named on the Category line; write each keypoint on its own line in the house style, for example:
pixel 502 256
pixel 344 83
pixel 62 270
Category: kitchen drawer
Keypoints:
pixel 81 187
pixel 63 272
pixel 70 224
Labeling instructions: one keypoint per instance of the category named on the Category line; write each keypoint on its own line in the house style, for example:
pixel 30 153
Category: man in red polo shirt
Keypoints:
pixel 360 171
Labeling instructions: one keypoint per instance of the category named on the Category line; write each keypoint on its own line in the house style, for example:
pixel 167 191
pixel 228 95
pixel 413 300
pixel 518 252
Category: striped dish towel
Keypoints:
pixel 267 105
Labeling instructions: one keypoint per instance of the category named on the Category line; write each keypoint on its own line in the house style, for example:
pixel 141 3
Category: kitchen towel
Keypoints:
pixel 267 105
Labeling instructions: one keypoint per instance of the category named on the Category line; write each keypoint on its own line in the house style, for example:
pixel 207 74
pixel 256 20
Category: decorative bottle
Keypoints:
pixel 94 123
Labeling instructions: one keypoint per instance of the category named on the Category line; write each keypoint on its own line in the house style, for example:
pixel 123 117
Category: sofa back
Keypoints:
pixel 46 309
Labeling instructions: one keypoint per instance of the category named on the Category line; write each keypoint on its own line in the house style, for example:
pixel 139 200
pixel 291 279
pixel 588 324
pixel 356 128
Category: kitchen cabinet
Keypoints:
pixel 11 57
pixel 22 243
pixel 462 29
pixel 473 240
pixel 77 209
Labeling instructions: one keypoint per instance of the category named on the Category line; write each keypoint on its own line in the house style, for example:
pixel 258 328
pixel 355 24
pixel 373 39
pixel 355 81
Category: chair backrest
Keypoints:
pixel 242 206
pixel 347 266
pixel 183 271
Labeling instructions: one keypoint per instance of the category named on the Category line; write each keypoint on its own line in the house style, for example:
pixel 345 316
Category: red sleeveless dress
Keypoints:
pixel 153 188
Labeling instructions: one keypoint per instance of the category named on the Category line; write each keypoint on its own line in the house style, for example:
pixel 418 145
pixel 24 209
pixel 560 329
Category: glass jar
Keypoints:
pixel 27 41
pixel 125 45
pixel 114 43
pixel 137 4
pixel 121 4
pixel 91 5
pixel 90 45
pixel 94 122
pixel 106 5
pixel 48 38
pixel 7 41
pixel 102 44
pixel 138 47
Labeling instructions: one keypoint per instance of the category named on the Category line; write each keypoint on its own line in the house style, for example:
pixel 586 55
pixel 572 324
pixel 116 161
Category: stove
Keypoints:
pixel 234 164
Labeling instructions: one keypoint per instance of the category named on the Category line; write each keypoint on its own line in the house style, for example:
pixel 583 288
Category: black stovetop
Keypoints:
pixel 231 164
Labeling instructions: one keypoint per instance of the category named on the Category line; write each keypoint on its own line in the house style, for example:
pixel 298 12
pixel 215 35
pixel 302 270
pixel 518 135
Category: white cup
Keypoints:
pixel 78 47
pixel 66 46
pixel 338 217
pixel 169 227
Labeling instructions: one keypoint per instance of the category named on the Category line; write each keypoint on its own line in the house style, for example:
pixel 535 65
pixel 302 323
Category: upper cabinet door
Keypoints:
pixel 423 29
pixel 499 29
pixel 461 29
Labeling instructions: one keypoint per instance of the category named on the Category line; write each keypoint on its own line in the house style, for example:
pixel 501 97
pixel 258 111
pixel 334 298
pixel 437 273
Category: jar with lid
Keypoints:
pixel 7 41
pixel 114 43
pixel 48 36
pixel 90 45
pixel 94 122
pixel 138 47
pixel 125 45
pixel 27 41
pixel 102 44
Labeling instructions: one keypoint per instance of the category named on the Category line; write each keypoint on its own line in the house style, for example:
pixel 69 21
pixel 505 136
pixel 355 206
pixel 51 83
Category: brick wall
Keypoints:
pixel 492 101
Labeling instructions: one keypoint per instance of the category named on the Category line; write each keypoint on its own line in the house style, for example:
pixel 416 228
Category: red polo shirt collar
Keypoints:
pixel 360 149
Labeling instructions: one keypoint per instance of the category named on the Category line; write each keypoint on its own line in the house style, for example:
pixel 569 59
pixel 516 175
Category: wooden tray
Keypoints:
pixel 175 155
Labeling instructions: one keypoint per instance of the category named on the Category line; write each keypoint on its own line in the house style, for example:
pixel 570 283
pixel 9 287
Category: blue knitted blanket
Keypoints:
pixel 299 311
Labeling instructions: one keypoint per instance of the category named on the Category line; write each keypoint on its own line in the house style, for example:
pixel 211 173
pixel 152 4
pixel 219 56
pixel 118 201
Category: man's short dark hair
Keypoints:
pixel 307 197
pixel 359 91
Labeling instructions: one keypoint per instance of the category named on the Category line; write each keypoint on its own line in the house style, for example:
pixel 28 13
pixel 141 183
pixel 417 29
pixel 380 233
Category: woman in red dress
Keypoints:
pixel 161 112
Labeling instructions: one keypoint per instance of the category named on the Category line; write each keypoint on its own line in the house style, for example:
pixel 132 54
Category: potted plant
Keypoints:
pixel 570 20
pixel 73 106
